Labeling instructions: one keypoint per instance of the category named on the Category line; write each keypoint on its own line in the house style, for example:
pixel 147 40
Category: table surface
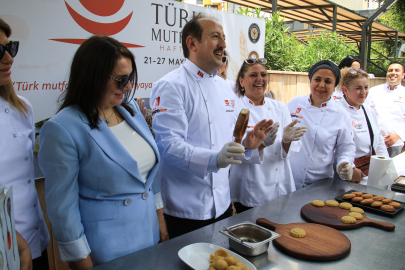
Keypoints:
pixel 371 248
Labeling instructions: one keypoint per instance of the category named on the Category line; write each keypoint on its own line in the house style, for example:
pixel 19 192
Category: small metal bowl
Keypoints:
pixel 251 240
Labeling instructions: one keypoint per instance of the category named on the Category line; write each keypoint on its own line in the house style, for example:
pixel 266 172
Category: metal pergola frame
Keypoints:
pixel 331 16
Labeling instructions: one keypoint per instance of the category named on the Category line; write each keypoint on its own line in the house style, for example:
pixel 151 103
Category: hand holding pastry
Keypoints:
pixel 228 152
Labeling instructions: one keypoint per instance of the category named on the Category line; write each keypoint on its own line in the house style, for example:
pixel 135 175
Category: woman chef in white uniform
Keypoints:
pixel 354 86
pixel 330 134
pixel 255 184
pixel 16 160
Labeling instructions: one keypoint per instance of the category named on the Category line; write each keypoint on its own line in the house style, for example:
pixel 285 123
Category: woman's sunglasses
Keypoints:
pixel 251 61
pixel 11 48
pixel 351 57
pixel 123 81
pixel 354 72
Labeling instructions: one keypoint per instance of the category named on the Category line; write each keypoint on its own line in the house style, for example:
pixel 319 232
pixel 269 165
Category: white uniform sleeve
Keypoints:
pixel 170 125
pixel 345 146
pixel 401 133
pixel 381 149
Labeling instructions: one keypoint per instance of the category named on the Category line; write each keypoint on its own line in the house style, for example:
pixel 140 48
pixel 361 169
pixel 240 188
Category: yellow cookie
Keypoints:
pixel 318 203
pixel 298 233
pixel 345 205
pixel 357 209
pixel 348 219
pixel 356 215
pixel 332 203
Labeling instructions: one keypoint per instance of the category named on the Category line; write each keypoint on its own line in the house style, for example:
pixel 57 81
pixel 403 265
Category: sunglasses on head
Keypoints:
pixel 353 72
pixel 251 61
pixel 351 57
pixel 11 48
pixel 124 81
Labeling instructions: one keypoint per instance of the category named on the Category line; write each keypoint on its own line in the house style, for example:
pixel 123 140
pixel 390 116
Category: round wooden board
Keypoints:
pixel 331 216
pixel 321 243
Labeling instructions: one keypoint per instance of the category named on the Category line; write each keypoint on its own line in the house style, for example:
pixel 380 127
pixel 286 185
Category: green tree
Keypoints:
pixel 394 18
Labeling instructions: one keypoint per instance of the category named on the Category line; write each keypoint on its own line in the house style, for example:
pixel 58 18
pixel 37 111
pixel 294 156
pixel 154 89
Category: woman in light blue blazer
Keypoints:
pixel 100 161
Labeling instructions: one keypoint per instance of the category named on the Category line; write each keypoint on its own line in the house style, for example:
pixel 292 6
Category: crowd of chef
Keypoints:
pixel 112 188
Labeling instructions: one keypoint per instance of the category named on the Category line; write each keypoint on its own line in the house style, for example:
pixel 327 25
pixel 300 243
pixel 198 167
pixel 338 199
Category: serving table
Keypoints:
pixel 371 248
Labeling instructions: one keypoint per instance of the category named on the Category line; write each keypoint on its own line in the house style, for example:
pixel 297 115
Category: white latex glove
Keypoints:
pixel 272 135
pixel 228 152
pixel 292 133
pixel 345 170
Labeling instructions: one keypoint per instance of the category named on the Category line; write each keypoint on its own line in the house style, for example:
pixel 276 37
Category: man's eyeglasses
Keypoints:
pixel 123 81
pixel 11 48
pixel 354 72
pixel 251 61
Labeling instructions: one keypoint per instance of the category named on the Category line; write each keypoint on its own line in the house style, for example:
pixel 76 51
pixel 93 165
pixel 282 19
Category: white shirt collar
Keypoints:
pixel 197 72
pixel 325 104
pixel 388 87
pixel 347 105
pixel 249 102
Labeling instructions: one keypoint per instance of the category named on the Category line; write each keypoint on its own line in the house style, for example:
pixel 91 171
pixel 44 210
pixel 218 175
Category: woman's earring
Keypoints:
pixel 243 89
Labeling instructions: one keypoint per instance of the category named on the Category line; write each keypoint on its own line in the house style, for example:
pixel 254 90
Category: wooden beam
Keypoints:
pixel 305 7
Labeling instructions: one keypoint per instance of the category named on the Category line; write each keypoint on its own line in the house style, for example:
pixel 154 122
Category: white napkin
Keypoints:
pixel 382 172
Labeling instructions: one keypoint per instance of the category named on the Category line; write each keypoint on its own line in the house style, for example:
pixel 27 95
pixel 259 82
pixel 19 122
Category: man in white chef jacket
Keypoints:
pixel 193 112
pixel 389 102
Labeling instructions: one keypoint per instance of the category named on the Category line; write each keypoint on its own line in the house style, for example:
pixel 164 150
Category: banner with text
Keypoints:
pixel 51 31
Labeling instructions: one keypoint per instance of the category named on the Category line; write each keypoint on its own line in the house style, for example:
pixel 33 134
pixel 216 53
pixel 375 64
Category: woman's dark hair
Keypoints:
pixel 348 61
pixel 91 67
pixel 241 74
pixel 5 27
pixel 192 28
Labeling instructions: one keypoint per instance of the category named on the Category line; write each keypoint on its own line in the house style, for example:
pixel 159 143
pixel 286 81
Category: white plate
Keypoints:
pixel 197 256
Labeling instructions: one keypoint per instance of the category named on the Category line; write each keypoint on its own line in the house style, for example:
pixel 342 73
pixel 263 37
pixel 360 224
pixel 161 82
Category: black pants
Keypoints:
pixel 41 263
pixel 240 207
pixel 178 226
pixel 394 151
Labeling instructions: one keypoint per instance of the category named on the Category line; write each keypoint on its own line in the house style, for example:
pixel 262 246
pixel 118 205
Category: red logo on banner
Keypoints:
pixel 101 8
pixel 200 74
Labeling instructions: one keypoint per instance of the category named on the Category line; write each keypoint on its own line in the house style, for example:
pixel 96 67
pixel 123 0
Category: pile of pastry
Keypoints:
pixel 222 260
pixel 355 214
pixel 385 204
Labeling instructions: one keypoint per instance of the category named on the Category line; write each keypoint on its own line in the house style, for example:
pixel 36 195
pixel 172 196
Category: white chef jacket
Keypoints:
pixel 193 118
pixel 361 132
pixel 255 184
pixel 337 95
pixel 16 168
pixel 329 136
pixel 390 107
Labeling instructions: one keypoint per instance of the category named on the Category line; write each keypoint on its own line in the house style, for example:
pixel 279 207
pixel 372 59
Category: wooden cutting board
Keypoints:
pixel 330 216
pixel 321 243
